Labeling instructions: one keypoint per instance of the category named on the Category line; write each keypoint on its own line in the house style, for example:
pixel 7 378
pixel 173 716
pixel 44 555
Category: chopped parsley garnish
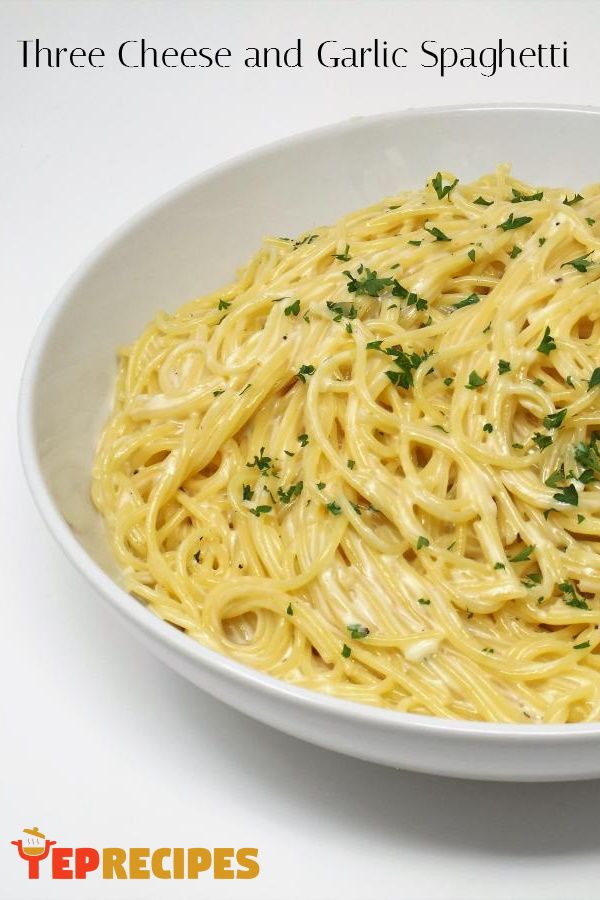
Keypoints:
pixel 568 495
pixel 468 301
pixel 370 284
pixel 538 382
pixel 520 197
pixel 515 252
pixel 219 392
pixel 448 381
pixel 422 542
pixel 293 491
pixel 595 379
pixel 488 427
pixel 344 257
pixel 475 381
pixel 263 463
pixel 424 601
pixel 590 221
pixel 442 190
pixel 532 579
pixel 415 244
pixel 357 632
pixel 248 386
pixel 304 371
pixel 517 446
pixel 308 239
pixel 321 485
pixel 541 241
pixel 541 440
pixel 411 298
pixel 339 310
pixel 583 646
pixel 556 477
pixel 487 650
pixel 293 309
pixel 499 565
pixel 581 263
pixel 588 455
pixel 223 304
pixel 471 255
pixel 481 201
pixel 523 554
pixel 406 362
pixel 580 519
pixel 556 419
pixel 437 233
pixel 290 610
pixel 575 599
pixel 351 463
pixel 260 510
pixel 303 440
pixel 503 366
pixel 547 344
pixel 511 223
pixel 334 509
pixel 574 199
pixel 374 345
pixel 586 477
pixel 247 492
pixel 346 651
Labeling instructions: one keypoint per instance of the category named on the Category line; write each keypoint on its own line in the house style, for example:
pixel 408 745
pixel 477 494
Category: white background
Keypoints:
pixel 102 745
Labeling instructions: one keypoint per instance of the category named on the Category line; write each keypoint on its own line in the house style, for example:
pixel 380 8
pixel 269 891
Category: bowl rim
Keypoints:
pixel 140 616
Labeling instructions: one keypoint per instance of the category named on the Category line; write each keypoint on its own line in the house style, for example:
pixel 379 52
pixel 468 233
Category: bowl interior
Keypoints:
pixel 192 241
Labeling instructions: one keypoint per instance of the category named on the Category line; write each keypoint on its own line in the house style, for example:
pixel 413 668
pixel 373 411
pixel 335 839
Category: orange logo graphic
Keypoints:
pixel 135 862
pixel 33 848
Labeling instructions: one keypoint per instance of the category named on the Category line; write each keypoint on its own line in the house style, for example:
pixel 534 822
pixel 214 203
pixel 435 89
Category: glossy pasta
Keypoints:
pixel 369 465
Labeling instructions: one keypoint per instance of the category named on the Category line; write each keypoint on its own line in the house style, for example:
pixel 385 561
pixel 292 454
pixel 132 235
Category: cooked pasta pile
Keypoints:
pixel 369 465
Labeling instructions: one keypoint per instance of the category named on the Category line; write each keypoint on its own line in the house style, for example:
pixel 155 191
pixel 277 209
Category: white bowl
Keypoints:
pixel 190 242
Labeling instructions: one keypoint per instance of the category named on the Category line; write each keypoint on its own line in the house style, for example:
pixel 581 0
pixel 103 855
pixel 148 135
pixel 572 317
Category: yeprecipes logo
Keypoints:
pixel 135 862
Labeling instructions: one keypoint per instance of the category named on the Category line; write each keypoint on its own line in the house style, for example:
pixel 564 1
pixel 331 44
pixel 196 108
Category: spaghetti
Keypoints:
pixel 369 465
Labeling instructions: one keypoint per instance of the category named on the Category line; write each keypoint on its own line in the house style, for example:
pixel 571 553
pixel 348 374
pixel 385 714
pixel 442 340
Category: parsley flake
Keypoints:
pixel 520 197
pixel 475 381
pixel 293 309
pixel 547 344
pixel 468 301
pixel 442 190
pixel 357 632
pixel 568 495
pixel 523 554
pixel 344 257
pixel 511 223
pixel 260 510
pixel 581 263
pixel 370 284
pixel 437 233
pixel 556 419
pixel 595 379
pixel 304 371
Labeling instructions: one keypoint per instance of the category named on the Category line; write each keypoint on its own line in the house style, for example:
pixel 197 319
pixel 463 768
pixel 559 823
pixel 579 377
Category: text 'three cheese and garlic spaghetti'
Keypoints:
pixel 370 465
